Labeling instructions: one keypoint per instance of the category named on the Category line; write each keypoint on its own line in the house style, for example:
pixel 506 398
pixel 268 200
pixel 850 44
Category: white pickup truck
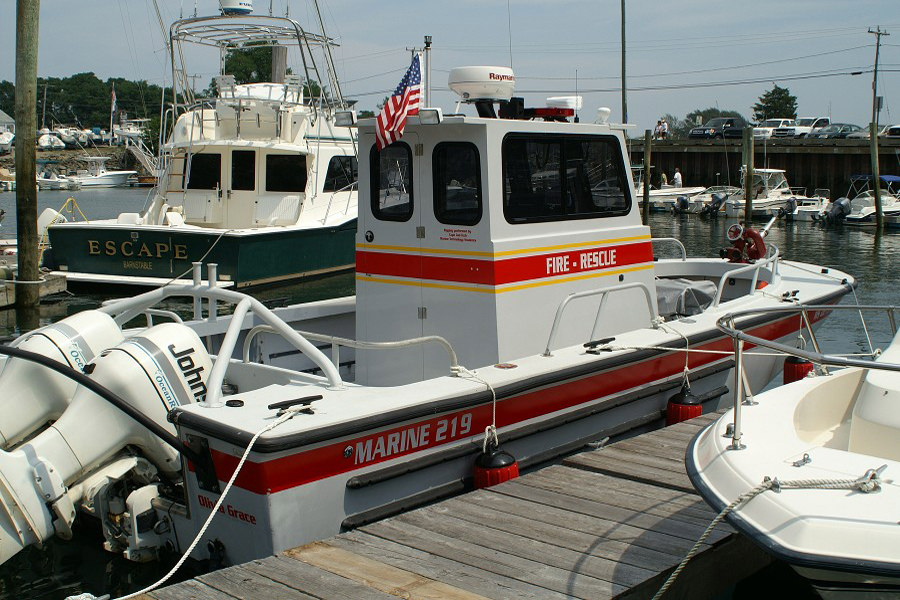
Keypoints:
pixel 802 128
pixel 765 129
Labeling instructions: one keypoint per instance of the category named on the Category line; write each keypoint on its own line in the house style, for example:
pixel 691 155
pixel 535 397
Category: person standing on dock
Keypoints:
pixel 663 129
pixel 658 130
pixel 676 178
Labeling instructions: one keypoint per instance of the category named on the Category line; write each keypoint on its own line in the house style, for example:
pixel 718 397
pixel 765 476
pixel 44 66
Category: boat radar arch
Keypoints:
pixel 474 84
pixel 236 7
pixel 603 115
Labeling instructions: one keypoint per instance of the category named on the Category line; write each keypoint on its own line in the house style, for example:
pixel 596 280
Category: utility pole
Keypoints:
pixel 27 288
pixel 873 132
pixel 624 87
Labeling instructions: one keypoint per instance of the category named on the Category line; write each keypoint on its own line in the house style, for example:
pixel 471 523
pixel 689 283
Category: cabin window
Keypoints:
pixel 457 184
pixel 243 170
pixel 391 183
pixel 286 173
pixel 343 171
pixel 204 172
pixel 553 177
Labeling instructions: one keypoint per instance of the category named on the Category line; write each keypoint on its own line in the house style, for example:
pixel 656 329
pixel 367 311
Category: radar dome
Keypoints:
pixel 482 83
pixel 236 7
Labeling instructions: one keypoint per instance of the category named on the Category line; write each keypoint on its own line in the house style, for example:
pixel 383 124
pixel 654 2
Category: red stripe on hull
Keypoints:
pixel 304 467
pixel 500 272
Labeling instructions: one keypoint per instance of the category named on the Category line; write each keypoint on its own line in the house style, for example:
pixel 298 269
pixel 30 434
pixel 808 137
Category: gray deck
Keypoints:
pixel 608 523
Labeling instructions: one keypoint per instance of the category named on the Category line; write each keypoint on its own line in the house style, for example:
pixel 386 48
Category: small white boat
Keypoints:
pixel 48 178
pixel 712 200
pixel 830 448
pixel 97 176
pixel 7 139
pixel 862 206
pixel 770 191
pixel 48 141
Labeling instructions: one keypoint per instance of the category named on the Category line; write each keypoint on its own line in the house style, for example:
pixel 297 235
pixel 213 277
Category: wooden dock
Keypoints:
pixel 606 523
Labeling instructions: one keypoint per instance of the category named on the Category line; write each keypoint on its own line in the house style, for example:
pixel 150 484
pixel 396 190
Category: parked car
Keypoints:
pixel 716 128
pixel 802 128
pixel 835 130
pixel 765 129
pixel 889 131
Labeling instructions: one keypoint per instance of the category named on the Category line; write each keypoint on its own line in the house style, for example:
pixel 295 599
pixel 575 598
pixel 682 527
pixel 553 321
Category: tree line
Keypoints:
pixel 775 103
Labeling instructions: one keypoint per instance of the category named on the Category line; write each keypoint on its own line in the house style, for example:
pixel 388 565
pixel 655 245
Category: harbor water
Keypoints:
pixel 63 568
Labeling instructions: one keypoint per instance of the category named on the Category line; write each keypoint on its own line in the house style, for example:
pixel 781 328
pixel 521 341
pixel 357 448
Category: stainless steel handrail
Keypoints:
pixel 336 342
pixel 127 308
pixel 604 293
pixel 772 259
pixel 728 325
pixel 677 242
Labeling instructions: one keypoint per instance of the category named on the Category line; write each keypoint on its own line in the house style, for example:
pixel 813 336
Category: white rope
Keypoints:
pixel 723 352
pixel 687 352
pixel 869 482
pixel 288 414
pixel 490 432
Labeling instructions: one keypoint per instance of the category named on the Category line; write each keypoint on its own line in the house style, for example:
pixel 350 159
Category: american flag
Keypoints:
pixel 405 101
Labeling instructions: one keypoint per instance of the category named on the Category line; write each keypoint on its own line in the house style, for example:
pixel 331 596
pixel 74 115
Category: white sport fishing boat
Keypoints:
pixel 770 191
pixel 817 463
pixel 503 296
pixel 259 179
pixel 96 175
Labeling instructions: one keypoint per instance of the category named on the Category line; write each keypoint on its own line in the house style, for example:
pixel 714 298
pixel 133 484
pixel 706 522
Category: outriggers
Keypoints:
pixel 503 296
pixel 258 179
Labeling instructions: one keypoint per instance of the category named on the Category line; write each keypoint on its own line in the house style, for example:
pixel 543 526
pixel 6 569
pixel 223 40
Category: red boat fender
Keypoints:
pixel 796 368
pixel 493 467
pixel 683 406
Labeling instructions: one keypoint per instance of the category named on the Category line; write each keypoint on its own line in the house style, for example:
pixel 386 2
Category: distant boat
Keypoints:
pixel 97 176
pixel 48 178
pixel 6 141
pixel 48 141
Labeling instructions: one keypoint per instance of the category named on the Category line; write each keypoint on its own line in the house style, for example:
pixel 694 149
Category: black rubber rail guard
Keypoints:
pixel 82 379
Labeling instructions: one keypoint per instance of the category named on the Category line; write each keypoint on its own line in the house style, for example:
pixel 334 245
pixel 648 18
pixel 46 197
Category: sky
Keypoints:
pixel 681 55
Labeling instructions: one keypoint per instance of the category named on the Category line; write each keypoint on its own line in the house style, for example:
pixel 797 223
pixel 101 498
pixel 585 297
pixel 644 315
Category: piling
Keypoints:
pixel 27 296
pixel 748 174
pixel 648 147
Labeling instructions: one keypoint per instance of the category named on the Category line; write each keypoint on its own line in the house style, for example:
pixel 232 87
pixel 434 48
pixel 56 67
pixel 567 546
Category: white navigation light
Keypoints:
pixel 603 115
pixel 482 83
pixel 236 7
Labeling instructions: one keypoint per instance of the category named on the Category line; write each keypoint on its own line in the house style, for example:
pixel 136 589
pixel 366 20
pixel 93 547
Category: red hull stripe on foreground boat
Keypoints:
pixel 362 451
pixel 504 271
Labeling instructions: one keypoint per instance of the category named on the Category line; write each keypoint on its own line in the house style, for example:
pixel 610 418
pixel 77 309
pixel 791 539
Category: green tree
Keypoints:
pixel 8 98
pixel 776 103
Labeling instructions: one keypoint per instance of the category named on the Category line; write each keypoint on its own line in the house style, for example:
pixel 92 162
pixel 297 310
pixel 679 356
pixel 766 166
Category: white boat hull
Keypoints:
pixel 844 540
pixel 107 179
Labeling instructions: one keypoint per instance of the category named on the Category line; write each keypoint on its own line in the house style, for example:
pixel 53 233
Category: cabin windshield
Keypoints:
pixel 553 177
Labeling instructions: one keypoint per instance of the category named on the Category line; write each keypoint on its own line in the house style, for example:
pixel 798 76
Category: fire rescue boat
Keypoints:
pixel 507 293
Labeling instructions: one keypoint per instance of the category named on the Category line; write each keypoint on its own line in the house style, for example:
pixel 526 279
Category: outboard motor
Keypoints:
pixel 786 212
pixel 46 479
pixel 715 204
pixel 32 395
pixel 681 206
pixel 838 210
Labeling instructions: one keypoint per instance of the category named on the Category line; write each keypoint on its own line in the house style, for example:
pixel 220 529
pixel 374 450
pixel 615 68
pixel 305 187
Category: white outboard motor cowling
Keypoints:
pixel 31 394
pixel 164 367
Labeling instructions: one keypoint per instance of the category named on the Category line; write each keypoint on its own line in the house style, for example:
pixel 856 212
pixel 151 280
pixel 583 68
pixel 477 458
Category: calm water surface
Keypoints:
pixel 64 568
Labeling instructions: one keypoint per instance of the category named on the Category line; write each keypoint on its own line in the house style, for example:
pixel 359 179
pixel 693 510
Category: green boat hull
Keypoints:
pixel 261 257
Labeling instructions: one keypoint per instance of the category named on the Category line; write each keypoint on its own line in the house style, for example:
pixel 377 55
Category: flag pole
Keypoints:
pixel 427 70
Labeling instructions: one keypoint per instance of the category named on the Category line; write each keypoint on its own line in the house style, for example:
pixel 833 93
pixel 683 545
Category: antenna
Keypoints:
pixel 509 30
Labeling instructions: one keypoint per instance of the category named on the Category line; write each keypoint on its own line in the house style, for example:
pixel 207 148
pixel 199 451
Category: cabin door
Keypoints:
pixel 240 189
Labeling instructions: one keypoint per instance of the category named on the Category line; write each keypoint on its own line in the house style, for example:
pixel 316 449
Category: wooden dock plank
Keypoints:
pixel 191 589
pixel 633 466
pixel 653 521
pixel 639 496
pixel 549 553
pixel 242 583
pixel 474 579
pixel 377 575
pixel 625 542
pixel 318 582
pixel 534 572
